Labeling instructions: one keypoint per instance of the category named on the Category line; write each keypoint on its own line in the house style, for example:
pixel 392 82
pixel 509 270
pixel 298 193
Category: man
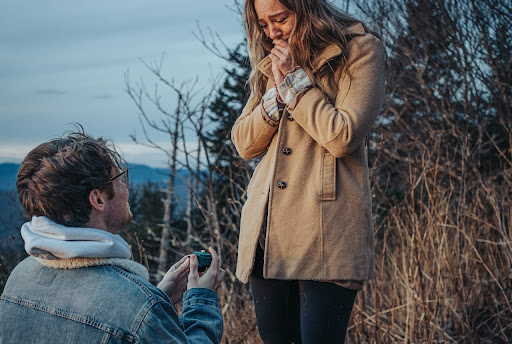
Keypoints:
pixel 79 285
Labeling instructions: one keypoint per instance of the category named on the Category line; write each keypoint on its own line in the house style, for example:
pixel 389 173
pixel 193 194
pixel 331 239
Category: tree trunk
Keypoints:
pixel 169 201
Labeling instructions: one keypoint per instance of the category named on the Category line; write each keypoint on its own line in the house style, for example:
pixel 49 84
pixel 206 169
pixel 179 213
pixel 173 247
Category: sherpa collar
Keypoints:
pixel 77 263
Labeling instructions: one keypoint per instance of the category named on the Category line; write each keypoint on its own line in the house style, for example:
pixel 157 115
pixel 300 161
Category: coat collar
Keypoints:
pixel 265 65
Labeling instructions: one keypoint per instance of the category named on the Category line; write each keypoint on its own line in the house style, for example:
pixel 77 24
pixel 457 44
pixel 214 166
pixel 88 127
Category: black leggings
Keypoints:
pixel 300 311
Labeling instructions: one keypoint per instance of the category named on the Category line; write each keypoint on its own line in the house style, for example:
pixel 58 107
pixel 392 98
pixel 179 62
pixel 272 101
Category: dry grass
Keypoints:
pixel 443 264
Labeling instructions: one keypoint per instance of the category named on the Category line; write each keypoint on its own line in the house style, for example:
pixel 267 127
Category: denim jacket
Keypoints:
pixel 98 303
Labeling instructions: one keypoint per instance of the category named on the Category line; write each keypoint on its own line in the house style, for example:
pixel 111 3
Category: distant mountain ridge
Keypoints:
pixel 8 172
pixel 139 174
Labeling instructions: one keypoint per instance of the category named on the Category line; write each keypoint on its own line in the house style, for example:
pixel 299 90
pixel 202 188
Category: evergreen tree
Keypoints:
pixel 231 173
pixel 227 106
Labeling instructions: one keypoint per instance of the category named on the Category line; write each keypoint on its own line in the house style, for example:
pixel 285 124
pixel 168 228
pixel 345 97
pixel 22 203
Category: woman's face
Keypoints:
pixel 277 22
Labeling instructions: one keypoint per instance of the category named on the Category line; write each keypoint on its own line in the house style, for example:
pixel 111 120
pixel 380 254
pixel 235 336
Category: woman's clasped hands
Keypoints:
pixel 282 60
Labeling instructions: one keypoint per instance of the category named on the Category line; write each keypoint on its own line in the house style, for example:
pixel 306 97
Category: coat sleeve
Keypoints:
pixel 251 133
pixel 342 127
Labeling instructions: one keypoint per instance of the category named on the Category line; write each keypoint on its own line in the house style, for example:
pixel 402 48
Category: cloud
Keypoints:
pixel 132 152
pixel 14 152
pixel 50 91
pixel 104 96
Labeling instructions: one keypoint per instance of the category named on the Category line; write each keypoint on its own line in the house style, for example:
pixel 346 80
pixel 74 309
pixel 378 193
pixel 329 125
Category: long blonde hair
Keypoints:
pixel 318 24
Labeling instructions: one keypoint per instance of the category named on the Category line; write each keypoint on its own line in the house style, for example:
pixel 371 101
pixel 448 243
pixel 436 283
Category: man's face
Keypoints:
pixel 118 211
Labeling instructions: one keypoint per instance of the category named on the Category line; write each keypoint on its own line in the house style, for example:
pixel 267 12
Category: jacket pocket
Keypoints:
pixel 328 174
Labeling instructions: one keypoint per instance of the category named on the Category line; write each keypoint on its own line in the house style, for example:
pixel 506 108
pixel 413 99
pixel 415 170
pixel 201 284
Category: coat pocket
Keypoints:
pixel 328 174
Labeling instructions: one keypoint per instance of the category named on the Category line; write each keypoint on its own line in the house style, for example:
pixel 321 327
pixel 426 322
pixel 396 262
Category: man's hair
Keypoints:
pixel 56 177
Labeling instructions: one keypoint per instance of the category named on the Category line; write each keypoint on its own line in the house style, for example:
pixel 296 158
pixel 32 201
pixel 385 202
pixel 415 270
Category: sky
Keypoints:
pixel 65 61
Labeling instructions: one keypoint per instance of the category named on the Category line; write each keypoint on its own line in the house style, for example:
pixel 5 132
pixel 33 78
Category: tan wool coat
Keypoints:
pixel 313 176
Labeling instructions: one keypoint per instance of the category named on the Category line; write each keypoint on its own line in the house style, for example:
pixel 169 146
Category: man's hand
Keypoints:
pixel 211 278
pixel 174 283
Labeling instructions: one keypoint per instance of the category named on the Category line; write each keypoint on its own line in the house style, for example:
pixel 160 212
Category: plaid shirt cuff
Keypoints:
pixel 271 106
pixel 293 84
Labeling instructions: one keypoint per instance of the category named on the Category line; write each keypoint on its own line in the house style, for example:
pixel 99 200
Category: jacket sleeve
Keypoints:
pixel 201 316
pixel 342 127
pixel 201 320
pixel 253 130
pixel 161 324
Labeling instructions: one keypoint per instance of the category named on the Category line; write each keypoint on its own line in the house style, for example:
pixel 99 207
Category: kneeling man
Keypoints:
pixel 78 285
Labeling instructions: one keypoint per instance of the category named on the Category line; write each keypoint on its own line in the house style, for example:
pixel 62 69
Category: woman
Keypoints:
pixel 306 237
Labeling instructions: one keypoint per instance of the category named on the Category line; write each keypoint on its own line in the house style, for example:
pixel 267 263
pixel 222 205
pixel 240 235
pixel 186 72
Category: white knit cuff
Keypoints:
pixel 293 84
pixel 270 104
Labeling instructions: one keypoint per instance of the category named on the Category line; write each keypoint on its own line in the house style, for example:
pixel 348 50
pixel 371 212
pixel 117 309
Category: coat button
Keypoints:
pixel 287 151
pixel 281 185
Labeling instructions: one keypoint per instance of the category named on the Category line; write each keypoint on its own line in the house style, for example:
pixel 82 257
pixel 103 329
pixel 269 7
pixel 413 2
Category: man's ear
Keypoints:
pixel 97 199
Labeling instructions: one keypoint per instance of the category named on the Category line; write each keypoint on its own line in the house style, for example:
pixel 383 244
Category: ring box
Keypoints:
pixel 205 259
